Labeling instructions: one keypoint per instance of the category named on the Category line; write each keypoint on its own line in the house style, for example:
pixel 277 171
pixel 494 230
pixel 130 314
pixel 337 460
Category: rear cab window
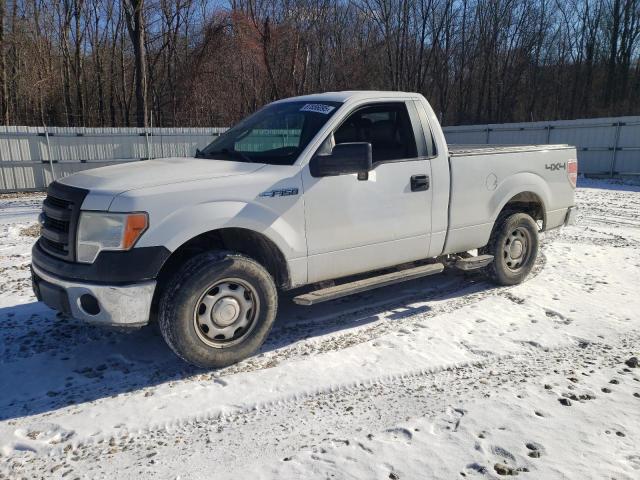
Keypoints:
pixel 431 146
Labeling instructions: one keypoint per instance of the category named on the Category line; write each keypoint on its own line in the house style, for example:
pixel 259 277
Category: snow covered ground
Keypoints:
pixel 446 377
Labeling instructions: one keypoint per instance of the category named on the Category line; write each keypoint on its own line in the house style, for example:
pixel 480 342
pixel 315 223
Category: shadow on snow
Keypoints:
pixel 49 361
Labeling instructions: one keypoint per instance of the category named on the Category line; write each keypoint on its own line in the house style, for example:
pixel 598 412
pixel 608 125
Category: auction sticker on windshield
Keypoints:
pixel 317 108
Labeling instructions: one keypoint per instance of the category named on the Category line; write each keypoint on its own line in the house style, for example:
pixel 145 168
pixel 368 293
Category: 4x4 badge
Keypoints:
pixel 555 166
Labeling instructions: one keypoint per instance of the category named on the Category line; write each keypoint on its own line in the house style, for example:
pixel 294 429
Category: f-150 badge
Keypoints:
pixel 283 192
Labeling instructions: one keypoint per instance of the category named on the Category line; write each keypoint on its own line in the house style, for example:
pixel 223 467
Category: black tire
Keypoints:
pixel 182 302
pixel 512 232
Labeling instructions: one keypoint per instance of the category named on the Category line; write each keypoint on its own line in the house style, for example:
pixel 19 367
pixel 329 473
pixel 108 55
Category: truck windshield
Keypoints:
pixel 275 134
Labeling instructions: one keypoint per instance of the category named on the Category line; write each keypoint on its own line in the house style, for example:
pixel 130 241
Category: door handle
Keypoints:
pixel 419 183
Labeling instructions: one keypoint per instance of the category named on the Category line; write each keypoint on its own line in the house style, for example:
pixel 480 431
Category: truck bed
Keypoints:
pixel 485 177
pixel 466 150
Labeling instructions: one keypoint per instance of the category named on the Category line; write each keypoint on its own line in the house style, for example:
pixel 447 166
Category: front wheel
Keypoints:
pixel 514 246
pixel 218 309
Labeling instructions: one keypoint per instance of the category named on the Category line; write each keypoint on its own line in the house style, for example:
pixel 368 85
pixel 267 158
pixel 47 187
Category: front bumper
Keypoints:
pixel 114 305
pixel 570 219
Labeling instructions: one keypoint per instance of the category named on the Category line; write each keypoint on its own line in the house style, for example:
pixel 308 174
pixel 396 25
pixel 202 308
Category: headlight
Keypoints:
pixel 99 231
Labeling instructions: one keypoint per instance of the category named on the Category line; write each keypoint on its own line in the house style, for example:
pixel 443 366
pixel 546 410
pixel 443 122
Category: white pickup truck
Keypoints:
pixel 329 194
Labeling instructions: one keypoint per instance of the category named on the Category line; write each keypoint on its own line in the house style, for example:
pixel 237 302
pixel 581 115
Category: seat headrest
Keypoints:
pixel 383 131
pixel 346 133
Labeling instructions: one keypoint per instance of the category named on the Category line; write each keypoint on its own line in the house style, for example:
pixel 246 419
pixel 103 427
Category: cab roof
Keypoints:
pixel 351 95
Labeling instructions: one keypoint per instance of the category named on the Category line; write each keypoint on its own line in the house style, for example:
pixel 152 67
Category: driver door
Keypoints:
pixel 355 225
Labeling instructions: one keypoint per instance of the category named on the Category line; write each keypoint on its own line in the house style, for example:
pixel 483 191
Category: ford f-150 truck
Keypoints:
pixel 329 194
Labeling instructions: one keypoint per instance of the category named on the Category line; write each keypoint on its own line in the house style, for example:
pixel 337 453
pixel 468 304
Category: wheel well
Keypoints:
pixel 241 240
pixel 529 203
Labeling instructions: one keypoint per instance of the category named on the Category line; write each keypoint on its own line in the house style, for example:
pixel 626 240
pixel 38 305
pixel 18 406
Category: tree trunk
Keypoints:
pixel 3 68
pixel 610 94
pixel 78 62
pixel 134 12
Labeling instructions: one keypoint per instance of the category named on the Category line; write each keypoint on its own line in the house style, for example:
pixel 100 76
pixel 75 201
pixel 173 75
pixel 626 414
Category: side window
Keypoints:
pixel 386 126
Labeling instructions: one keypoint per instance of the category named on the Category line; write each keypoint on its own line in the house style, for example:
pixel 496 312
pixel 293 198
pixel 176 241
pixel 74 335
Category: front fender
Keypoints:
pixel 183 224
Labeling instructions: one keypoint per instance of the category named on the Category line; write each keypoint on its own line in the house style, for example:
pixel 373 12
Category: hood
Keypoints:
pixel 120 178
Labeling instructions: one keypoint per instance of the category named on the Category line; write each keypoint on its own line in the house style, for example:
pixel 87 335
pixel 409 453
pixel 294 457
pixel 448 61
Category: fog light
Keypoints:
pixel 90 304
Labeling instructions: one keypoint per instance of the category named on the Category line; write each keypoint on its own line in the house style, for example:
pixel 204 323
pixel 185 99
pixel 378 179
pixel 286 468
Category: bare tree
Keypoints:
pixel 134 14
pixel 3 66
pixel 203 62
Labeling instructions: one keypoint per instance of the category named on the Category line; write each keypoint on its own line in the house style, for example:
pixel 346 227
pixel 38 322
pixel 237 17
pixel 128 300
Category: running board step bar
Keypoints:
pixel 338 291
pixel 472 263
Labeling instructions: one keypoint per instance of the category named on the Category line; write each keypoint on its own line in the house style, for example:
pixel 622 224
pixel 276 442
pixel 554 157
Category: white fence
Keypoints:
pixel 606 146
pixel 31 157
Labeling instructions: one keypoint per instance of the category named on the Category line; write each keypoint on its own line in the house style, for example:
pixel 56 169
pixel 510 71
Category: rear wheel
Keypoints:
pixel 514 246
pixel 218 309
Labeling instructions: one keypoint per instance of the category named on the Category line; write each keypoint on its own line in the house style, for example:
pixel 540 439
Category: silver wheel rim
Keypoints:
pixel 225 313
pixel 517 249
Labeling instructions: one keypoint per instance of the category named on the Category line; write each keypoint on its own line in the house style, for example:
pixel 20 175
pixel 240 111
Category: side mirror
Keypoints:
pixel 345 158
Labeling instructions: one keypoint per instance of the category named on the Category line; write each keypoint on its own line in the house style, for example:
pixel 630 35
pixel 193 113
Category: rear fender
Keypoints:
pixel 517 184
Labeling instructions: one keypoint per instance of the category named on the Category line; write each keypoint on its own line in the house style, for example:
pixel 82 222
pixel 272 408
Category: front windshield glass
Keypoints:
pixel 275 134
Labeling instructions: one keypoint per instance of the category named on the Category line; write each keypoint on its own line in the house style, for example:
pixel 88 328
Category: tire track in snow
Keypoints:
pixel 316 420
pixel 386 322
pixel 289 341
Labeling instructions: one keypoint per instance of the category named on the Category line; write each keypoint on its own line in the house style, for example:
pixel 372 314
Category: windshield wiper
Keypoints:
pixel 225 151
